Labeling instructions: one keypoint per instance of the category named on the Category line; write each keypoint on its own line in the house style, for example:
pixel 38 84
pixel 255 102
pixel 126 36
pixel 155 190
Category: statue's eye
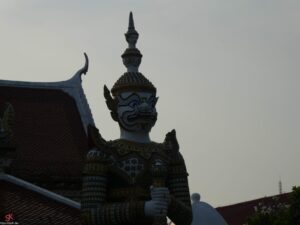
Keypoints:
pixel 133 104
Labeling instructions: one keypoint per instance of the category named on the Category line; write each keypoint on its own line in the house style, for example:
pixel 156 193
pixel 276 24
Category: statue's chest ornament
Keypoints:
pixel 131 166
pixel 134 160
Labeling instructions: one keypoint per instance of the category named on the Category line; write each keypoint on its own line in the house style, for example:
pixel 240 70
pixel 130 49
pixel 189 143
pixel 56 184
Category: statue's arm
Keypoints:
pixel 94 206
pixel 180 210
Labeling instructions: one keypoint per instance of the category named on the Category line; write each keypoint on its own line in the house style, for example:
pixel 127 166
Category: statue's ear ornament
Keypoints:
pixel 95 139
pixel 111 103
pixel 156 99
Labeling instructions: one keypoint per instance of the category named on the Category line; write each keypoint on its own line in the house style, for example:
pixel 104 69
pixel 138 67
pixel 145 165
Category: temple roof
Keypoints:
pixel 51 120
pixel 30 204
pixel 237 214
pixel 72 87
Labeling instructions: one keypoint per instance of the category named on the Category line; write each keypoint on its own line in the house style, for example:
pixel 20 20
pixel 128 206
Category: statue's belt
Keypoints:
pixel 128 192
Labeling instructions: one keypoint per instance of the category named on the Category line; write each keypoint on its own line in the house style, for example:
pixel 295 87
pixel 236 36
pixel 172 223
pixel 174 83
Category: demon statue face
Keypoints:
pixel 136 111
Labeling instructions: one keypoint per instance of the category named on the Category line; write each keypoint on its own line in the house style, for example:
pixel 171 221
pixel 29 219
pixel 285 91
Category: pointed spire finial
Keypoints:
pixel 131 56
pixel 132 35
pixel 131 22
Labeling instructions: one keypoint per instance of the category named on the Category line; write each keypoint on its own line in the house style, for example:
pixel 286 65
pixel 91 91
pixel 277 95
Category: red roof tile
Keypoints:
pixel 32 208
pixel 50 138
pixel 237 214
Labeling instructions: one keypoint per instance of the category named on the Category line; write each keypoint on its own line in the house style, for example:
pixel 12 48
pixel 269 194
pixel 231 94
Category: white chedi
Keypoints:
pixel 205 214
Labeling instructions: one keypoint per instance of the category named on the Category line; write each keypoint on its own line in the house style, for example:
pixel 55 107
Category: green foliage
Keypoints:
pixel 277 213
pixel 295 206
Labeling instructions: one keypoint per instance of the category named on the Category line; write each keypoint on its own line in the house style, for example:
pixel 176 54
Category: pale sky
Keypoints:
pixel 227 74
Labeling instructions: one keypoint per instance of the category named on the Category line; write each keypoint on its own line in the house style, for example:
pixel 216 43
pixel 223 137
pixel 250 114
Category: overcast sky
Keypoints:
pixel 227 74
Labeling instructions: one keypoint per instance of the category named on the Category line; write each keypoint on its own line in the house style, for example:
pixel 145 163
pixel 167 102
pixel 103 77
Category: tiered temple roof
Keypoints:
pixel 50 132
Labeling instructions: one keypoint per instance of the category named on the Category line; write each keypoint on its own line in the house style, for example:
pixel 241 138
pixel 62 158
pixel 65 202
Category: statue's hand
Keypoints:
pixel 158 205
pixel 160 194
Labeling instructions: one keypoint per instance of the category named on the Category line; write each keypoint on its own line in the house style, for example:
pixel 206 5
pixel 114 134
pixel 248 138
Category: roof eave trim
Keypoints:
pixel 39 190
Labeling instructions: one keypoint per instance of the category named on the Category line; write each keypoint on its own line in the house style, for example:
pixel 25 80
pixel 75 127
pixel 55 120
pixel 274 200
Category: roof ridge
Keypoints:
pixel 254 200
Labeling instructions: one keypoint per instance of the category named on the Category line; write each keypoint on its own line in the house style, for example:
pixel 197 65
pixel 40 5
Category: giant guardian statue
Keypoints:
pixel 133 180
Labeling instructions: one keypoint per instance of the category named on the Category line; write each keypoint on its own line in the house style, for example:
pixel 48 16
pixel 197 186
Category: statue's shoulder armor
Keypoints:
pixel 95 139
pixel 172 147
pixel 171 143
pixel 177 162
pixel 99 147
pixel 96 155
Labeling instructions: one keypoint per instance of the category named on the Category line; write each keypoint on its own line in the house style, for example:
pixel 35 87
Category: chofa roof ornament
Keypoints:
pixel 132 80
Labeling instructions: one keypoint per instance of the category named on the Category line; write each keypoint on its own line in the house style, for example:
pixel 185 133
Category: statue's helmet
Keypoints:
pixel 134 96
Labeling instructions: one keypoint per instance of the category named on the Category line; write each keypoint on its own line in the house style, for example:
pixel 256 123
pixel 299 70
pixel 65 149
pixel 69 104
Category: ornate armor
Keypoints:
pixel 117 179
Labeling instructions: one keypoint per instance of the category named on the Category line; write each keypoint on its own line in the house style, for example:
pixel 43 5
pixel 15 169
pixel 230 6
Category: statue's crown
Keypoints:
pixel 132 80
